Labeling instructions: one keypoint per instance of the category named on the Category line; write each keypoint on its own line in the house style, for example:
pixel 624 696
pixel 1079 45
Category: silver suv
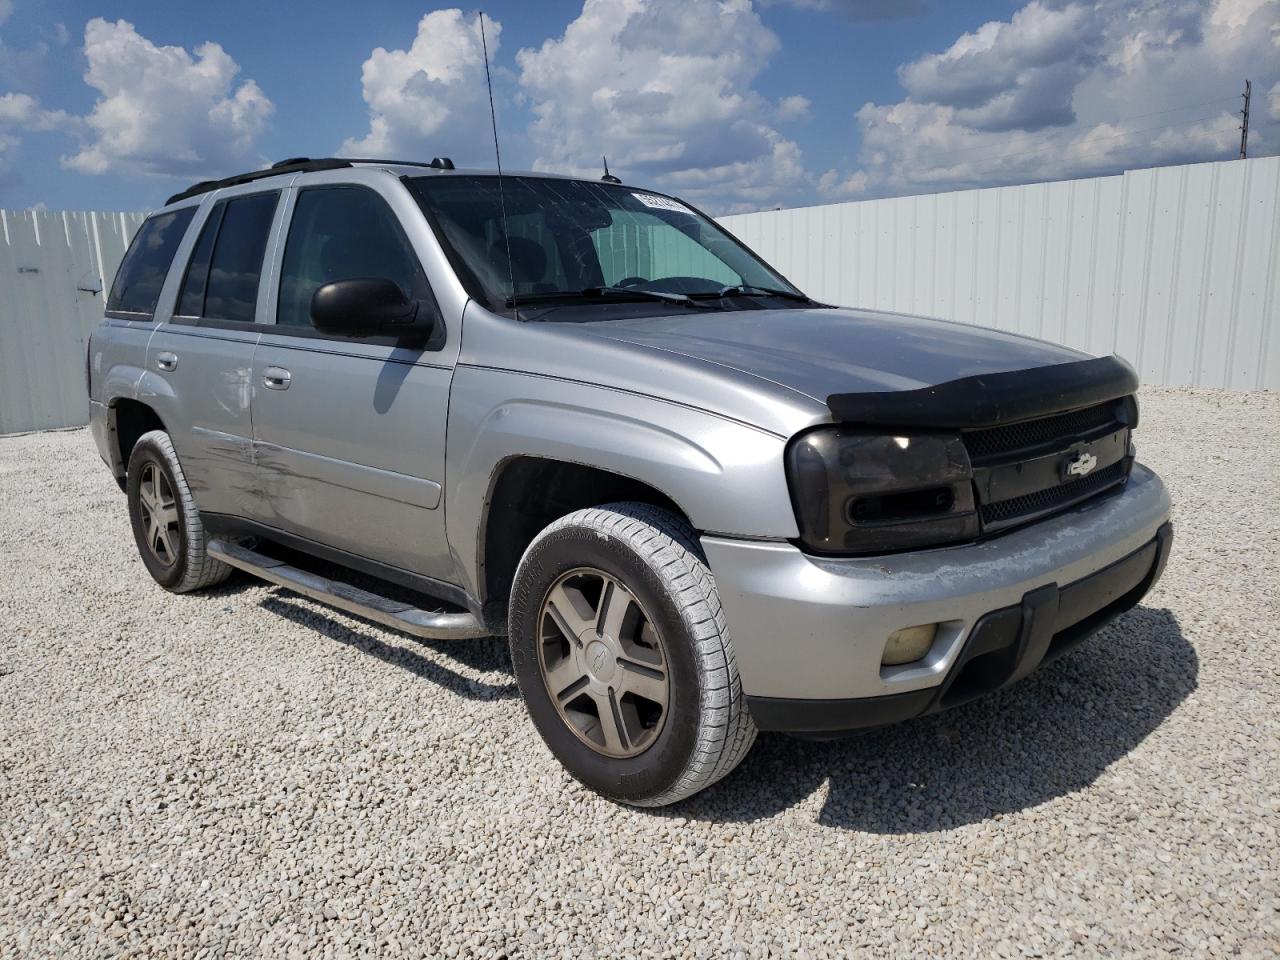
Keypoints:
pixel 698 503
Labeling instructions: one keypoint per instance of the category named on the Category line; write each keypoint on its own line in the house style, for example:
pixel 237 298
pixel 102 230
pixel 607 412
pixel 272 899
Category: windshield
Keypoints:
pixel 571 239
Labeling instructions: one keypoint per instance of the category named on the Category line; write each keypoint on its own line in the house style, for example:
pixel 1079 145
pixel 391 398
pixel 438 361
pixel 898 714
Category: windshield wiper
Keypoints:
pixel 747 289
pixel 643 294
pixel 600 293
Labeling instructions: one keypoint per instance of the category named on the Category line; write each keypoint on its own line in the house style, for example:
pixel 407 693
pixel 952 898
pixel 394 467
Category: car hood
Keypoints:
pixel 820 352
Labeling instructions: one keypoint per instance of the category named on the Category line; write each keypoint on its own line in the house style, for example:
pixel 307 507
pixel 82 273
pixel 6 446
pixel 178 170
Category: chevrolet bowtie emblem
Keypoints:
pixel 1082 465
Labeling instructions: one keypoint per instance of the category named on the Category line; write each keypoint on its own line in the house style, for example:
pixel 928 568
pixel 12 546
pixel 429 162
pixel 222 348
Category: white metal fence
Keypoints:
pixel 50 266
pixel 1177 269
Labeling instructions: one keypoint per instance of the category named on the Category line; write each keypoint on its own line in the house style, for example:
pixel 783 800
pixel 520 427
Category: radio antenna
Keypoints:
pixel 497 154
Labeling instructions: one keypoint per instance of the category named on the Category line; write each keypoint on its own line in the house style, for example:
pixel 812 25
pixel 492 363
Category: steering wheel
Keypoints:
pixel 630 282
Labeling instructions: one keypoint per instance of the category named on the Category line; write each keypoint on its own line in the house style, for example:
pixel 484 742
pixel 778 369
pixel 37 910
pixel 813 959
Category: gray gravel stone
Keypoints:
pixel 245 773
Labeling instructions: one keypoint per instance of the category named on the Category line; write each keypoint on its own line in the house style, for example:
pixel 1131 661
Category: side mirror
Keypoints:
pixel 368 307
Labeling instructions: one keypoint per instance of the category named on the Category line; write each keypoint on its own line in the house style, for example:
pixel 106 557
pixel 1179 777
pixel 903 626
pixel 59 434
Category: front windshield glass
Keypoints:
pixel 570 237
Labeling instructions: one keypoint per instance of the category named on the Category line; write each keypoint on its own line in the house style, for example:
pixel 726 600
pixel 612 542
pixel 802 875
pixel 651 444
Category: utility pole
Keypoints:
pixel 1244 127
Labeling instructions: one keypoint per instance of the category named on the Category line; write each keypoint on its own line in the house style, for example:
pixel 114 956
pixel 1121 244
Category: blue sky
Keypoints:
pixel 735 105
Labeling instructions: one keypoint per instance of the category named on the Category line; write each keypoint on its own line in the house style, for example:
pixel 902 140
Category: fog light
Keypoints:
pixel 908 644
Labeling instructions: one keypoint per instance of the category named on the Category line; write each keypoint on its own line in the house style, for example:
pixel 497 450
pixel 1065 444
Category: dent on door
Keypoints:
pixel 201 389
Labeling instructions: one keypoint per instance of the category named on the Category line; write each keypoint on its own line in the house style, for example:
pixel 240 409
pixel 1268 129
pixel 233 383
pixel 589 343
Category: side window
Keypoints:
pixel 231 291
pixel 191 299
pixel 143 269
pixel 343 233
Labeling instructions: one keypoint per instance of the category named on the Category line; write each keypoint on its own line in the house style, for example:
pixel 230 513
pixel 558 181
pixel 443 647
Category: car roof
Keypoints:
pixel 295 165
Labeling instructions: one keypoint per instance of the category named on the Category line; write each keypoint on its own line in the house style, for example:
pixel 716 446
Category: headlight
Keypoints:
pixel 856 492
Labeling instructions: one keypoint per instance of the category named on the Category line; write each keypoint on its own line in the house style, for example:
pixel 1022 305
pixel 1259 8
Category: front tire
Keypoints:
pixel 623 656
pixel 166 524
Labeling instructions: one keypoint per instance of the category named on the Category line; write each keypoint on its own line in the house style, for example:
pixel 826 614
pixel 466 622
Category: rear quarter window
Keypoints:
pixel 142 271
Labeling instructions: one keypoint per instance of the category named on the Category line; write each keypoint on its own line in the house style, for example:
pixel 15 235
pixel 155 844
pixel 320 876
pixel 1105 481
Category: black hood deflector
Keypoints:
pixel 991 399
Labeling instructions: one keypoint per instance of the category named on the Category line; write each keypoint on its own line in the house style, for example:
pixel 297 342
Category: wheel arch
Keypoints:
pixel 723 476
pixel 128 420
pixel 527 493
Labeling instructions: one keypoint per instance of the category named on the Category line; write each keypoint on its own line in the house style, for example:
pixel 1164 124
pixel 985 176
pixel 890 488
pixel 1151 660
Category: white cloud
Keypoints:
pixel 6 10
pixel 792 108
pixel 863 9
pixel 665 89
pixel 833 185
pixel 19 113
pixel 16 107
pixel 430 99
pixel 23 110
pixel 1013 75
pixel 164 111
pixel 1041 96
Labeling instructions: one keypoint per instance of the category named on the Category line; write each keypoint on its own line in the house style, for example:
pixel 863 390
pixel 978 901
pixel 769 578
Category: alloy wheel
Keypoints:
pixel 159 514
pixel 603 663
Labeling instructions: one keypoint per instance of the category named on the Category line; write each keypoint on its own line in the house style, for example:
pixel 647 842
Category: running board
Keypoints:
pixel 431 624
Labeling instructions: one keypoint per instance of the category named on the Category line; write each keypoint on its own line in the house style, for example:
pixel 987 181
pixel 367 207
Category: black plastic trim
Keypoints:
pixel 135 316
pixel 991 399
pixel 831 717
pixel 1004 646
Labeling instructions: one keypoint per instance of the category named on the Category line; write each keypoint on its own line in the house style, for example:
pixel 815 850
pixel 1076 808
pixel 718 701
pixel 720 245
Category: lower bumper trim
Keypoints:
pixel 1004 647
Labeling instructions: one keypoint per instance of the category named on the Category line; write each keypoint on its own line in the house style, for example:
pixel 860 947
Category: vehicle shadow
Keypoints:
pixel 1052 734
pixel 487 654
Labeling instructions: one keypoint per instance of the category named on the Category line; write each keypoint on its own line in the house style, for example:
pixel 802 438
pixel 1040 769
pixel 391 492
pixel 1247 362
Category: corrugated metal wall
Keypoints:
pixel 1177 269
pixel 48 263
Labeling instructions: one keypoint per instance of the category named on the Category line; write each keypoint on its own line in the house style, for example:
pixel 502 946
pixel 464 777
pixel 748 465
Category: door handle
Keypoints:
pixel 166 361
pixel 276 378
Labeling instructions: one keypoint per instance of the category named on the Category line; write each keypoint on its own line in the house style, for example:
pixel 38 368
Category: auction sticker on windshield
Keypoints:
pixel 660 203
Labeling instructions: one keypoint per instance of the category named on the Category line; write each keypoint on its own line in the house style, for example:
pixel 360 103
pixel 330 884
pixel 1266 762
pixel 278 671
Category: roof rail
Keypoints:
pixel 300 165
pixel 293 165
pixel 437 163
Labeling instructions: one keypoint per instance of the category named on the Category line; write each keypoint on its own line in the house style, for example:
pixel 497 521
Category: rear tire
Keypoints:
pixel 623 656
pixel 166 524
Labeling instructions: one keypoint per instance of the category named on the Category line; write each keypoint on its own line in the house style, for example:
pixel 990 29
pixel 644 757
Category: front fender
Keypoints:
pixel 726 476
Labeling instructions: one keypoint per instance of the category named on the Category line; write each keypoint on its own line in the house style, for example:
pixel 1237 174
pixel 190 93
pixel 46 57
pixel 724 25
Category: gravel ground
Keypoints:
pixel 244 772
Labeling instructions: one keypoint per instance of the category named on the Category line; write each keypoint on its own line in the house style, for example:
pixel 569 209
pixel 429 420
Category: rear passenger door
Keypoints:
pixel 349 433
pixel 204 353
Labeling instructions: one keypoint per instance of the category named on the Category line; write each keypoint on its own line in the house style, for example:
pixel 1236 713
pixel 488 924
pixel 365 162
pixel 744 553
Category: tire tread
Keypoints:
pixel 670 546
pixel 200 570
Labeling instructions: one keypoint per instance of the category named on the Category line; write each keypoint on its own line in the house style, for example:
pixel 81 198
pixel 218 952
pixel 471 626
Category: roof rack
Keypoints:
pixel 299 165
pixel 437 163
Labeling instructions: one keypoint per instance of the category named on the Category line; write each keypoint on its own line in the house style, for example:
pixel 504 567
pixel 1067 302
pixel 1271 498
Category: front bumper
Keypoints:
pixel 809 632
pixel 1003 647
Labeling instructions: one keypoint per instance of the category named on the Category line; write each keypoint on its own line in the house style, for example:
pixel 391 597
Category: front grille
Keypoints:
pixel 994 441
pixel 1052 498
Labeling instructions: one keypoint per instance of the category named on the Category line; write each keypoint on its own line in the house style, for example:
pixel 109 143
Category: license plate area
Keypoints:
pixel 1077 462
